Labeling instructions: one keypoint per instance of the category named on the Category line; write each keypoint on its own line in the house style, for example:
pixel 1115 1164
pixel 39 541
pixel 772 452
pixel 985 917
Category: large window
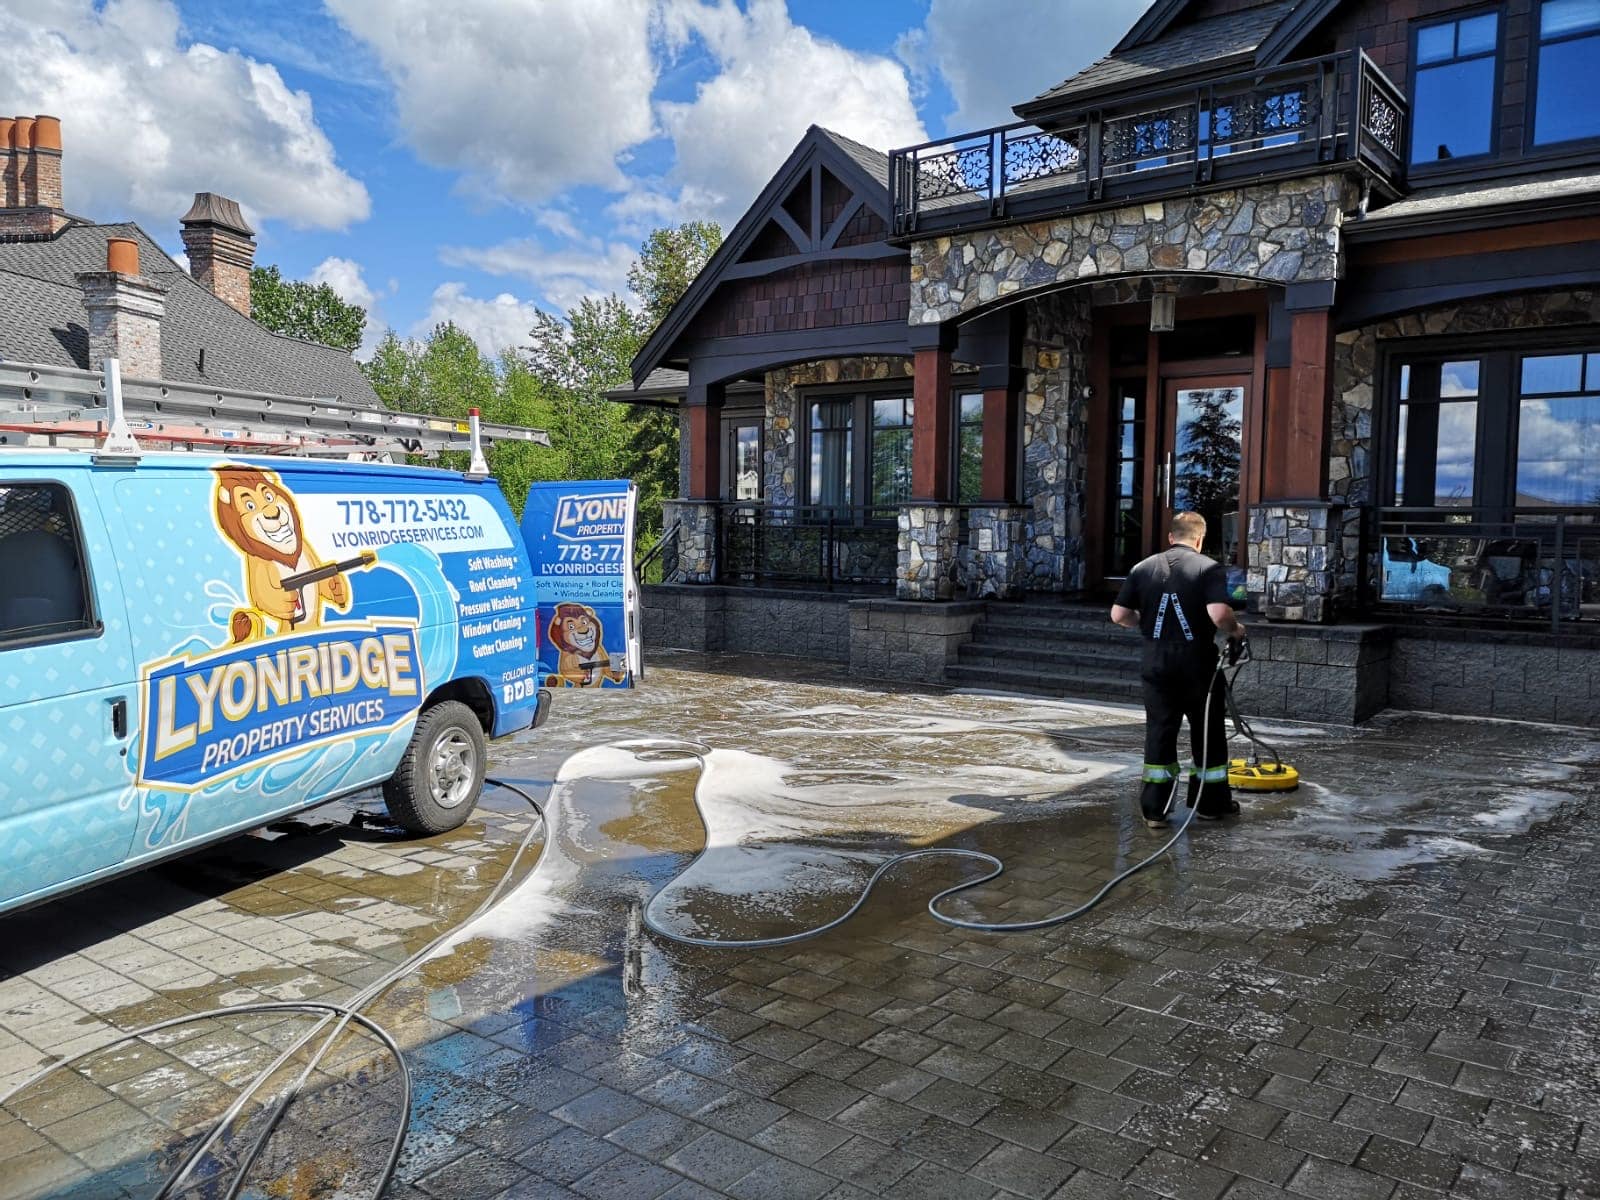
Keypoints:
pixel 1436 434
pixel 1569 55
pixel 831 476
pixel 44 590
pixel 1558 430
pixel 889 455
pixel 1453 88
pixel 969 448
pixel 860 447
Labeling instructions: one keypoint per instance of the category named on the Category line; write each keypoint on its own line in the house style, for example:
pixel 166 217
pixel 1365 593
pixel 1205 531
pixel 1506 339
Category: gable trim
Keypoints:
pixel 1155 21
pixel 1301 21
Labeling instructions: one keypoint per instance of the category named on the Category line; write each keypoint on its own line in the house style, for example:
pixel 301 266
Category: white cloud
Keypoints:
pixel 563 276
pixel 345 278
pixel 996 53
pixel 494 324
pixel 774 78
pixel 147 121
pixel 526 100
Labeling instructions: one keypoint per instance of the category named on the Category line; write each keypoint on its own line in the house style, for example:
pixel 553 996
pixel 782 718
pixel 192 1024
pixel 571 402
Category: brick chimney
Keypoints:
pixel 125 312
pixel 30 177
pixel 221 248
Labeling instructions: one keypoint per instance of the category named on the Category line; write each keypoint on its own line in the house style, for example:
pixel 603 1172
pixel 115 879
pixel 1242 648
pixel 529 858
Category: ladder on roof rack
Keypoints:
pixel 62 403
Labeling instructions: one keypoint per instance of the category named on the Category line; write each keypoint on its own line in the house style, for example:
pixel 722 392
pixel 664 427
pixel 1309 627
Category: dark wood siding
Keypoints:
pixel 815 296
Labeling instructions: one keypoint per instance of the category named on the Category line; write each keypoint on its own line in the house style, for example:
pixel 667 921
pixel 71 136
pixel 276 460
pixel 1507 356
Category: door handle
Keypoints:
pixel 1169 496
pixel 119 718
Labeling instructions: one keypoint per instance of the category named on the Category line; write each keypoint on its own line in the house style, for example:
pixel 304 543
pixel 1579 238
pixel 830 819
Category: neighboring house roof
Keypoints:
pixel 1172 51
pixel 46 322
pixel 861 168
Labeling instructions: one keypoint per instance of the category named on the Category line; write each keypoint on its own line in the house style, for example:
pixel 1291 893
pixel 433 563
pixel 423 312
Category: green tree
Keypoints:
pixel 668 262
pixel 1208 458
pixel 580 358
pixel 305 310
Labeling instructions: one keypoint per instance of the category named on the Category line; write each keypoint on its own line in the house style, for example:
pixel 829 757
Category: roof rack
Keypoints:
pixel 62 405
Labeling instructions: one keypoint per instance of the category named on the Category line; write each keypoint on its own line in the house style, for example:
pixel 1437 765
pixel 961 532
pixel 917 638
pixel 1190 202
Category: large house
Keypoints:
pixel 1327 271
pixel 74 293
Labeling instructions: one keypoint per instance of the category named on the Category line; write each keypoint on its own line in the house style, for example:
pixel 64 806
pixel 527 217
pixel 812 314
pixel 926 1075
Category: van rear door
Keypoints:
pixel 579 538
pixel 67 685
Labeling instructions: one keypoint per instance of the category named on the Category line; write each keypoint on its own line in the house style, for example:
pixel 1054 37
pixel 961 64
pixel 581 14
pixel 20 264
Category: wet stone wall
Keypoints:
pixel 908 642
pixel 1339 675
pixel 1055 446
pixel 1295 556
pixel 1520 676
pixel 763 621
pixel 995 554
pixel 929 551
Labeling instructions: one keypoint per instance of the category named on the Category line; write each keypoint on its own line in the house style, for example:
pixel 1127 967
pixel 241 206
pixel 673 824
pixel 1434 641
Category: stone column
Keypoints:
pixel 997 543
pixel 929 551
pixel 1295 553
pixel 694 558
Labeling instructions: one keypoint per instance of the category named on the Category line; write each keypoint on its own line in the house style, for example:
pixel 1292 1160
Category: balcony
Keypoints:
pixel 1339 111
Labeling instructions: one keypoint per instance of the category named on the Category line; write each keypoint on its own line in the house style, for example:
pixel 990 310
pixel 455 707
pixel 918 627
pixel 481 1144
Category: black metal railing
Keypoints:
pixel 823 545
pixel 659 564
pixel 1530 565
pixel 1335 109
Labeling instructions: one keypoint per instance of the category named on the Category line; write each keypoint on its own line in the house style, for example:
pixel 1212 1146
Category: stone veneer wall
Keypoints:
pixel 994 558
pixel 1340 674
pixel 1519 675
pixel 1055 444
pixel 1295 555
pixel 1285 232
pixel 908 642
pixel 929 550
pixel 1350 466
pixel 691 557
pixel 764 621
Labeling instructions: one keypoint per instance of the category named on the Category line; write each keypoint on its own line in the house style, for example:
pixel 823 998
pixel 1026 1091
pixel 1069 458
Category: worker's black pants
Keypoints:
pixel 1178 677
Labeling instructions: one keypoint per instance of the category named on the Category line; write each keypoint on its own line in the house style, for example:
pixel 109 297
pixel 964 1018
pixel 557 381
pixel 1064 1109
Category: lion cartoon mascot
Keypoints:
pixel 576 632
pixel 287 583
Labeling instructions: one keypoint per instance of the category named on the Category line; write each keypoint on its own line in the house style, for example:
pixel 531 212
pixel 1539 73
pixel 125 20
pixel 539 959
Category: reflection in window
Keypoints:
pixel 889 454
pixel 1458 379
pixel 1558 435
pixel 1210 421
pixel 829 479
pixel 1436 454
pixel 969 448
pixel 1127 463
pixel 1569 53
pixel 746 464
pixel 1452 108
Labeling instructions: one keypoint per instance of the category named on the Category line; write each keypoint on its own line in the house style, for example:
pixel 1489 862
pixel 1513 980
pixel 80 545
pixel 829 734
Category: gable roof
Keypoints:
pixel 47 323
pixel 862 169
pixel 1164 50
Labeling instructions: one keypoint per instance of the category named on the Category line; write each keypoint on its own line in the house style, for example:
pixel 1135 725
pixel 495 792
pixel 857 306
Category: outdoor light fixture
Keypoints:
pixel 1163 309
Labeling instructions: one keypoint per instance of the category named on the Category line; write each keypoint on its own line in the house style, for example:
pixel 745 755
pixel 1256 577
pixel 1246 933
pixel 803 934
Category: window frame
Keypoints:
pixel 957 395
pixel 1533 148
pixel 732 421
pixel 1458 162
pixel 93 626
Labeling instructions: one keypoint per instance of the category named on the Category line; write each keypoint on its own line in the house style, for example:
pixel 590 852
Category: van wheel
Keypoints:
pixel 438 782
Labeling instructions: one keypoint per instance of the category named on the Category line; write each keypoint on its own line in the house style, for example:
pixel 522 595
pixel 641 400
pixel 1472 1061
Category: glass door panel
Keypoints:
pixel 1201 459
pixel 743 481
pixel 1125 536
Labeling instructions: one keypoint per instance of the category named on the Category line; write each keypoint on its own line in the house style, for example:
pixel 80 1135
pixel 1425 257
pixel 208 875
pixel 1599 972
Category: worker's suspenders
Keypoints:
pixel 1170 598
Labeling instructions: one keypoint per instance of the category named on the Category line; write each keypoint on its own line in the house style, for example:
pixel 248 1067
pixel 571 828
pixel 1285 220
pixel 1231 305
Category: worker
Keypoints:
pixel 1179 601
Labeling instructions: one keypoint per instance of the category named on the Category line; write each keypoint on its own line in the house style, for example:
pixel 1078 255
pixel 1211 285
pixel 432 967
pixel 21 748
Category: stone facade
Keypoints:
pixel 1305 673
pixel 692 557
pixel 124 321
pixel 768 622
pixel 1055 453
pixel 1356 390
pixel 929 552
pixel 908 643
pixel 996 563
pixel 1463 672
pixel 1295 556
pixel 1284 232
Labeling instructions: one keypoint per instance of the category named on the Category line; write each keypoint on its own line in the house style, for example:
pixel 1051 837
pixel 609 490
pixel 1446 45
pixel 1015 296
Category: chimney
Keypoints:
pixel 221 248
pixel 125 312
pixel 30 177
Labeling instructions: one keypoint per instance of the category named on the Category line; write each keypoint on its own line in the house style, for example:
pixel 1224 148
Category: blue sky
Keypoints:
pixel 471 161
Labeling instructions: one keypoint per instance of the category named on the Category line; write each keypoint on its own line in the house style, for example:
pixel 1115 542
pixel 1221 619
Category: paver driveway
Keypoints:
pixel 1384 985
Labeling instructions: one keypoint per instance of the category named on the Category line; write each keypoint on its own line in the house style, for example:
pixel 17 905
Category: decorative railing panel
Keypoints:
pixel 1537 565
pixel 827 546
pixel 1336 109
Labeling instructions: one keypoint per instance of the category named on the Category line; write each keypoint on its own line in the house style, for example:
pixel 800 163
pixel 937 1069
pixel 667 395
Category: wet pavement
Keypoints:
pixel 1385 984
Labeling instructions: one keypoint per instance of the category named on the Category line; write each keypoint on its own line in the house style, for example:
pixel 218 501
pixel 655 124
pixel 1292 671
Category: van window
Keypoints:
pixel 44 592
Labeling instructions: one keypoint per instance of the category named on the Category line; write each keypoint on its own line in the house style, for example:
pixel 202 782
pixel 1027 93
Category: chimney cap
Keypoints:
pixel 122 256
pixel 22 133
pixel 211 209
pixel 46 132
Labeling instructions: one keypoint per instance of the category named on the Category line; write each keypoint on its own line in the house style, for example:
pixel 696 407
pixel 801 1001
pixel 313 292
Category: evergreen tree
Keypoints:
pixel 1208 457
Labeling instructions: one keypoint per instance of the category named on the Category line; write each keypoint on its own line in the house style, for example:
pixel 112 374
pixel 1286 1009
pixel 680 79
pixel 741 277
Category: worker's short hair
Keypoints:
pixel 1188 527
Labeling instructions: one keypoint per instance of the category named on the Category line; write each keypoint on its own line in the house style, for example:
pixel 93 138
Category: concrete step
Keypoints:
pixel 1069 685
pixel 1024 652
pixel 1061 628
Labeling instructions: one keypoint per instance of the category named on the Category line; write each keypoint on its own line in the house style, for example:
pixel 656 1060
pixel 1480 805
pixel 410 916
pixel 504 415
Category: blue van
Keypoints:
pixel 193 646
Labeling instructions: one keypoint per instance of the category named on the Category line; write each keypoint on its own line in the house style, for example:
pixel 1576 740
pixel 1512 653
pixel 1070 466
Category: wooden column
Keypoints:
pixel 932 428
pixel 1299 411
pixel 704 405
pixel 1000 436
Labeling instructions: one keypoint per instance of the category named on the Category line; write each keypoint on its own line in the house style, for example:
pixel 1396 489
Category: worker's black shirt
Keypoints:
pixel 1189 580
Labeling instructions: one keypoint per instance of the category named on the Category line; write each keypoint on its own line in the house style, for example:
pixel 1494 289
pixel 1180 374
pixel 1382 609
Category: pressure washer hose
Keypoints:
pixel 657 751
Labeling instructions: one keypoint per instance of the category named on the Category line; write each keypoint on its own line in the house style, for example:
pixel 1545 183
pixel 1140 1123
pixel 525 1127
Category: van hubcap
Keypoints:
pixel 452 769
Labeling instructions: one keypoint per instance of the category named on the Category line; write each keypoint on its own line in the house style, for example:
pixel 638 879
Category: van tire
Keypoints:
pixel 438 782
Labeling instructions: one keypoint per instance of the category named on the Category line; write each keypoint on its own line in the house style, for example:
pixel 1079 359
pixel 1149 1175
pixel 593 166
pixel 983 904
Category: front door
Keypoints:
pixel 1198 463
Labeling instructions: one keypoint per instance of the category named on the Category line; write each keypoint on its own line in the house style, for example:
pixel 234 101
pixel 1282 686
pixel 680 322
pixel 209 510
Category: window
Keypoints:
pixel 1127 460
pixel 1569 53
pixel 889 454
pixel 831 451
pixel 1436 438
pixel 742 466
pixel 1453 88
pixel 1558 431
pixel 44 590
pixel 969 448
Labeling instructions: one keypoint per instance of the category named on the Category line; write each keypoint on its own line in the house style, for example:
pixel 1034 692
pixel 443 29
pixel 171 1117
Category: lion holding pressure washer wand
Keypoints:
pixel 287 583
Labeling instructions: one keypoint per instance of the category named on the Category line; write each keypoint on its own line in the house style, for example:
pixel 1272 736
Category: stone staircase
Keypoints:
pixel 1065 649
